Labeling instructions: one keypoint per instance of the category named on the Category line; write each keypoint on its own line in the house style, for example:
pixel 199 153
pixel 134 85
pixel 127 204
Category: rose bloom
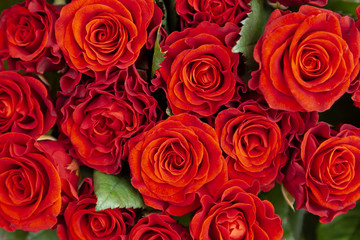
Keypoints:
pixel 193 12
pixel 157 226
pixel 98 119
pixel 25 105
pixel 96 35
pixel 308 59
pixel 324 179
pixel 356 98
pixel 67 168
pixel 81 221
pixel 176 161
pixel 199 72
pixel 293 125
pixel 283 4
pixel 253 143
pixel 235 214
pixel 27 37
pixel 30 185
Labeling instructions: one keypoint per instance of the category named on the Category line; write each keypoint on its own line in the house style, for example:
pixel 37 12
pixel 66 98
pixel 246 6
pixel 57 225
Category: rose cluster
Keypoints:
pixel 109 86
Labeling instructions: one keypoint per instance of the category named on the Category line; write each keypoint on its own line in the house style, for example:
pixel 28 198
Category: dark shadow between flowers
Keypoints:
pixel 342 112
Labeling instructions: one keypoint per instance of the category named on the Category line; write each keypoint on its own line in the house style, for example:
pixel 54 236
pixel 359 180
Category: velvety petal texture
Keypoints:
pixel 235 214
pixel 96 34
pixel 81 221
pixel 158 226
pixel 27 39
pixel 308 59
pixel 253 143
pixel 98 119
pixel 325 178
pixel 175 162
pixel 30 185
pixel 25 105
pixel 199 72
pixel 193 12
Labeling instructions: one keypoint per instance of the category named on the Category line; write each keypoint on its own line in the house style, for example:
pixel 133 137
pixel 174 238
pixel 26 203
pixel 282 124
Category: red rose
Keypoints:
pixel 99 118
pixel 293 125
pixel 325 179
pixel 308 59
pixel 356 98
pixel 283 4
pixel 199 72
pixel 27 37
pixel 156 226
pixel 30 189
pixel 253 142
pixel 174 162
pixel 96 35
pixel 24 105
pixel 81 221
pixel 67 168
pixel 192 12
pixel 235 214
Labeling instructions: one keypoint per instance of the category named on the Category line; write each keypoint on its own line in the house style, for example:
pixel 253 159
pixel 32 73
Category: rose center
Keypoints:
pixel 101 127
pixel 313 63
pixel 174 160
pixel 216 7
pixel 5 108
pixel 234 224
pixel 254 145
pixel 340 169
pixel 237 229
pixel 18 187
pixel 99 225
pixel 23 32
pixel 203 75
pixel 106 35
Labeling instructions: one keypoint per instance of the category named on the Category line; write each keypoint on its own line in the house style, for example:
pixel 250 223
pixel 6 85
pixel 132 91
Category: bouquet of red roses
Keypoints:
pixel 180 119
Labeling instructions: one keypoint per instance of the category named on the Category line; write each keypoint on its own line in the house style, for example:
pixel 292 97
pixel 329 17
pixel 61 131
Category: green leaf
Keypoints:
pixel 59 2
pixel 343 227
pixel 158 56
pixel 23 235
pixel 4 4
pixel 169 112
pixel 289 199
pixel 292 221
pixel 17 235
pixel 344 7
pixel 184 220
pixel 252 29
pixel 115 192
pixel 42 235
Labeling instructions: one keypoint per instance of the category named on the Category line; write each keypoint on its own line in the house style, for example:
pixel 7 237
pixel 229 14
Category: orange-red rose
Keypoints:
pixel 30 185
pixel 325 178
pixel 27 37
pixel 253 143
pixel 193 12
pixel 308 59
pixel 25 105
pixel 176 161
pixel 81 221
pixel 200 72
pixel 67 168
pixel 235 214
pixel 157 226
pixel 98 119
pixel 95 34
